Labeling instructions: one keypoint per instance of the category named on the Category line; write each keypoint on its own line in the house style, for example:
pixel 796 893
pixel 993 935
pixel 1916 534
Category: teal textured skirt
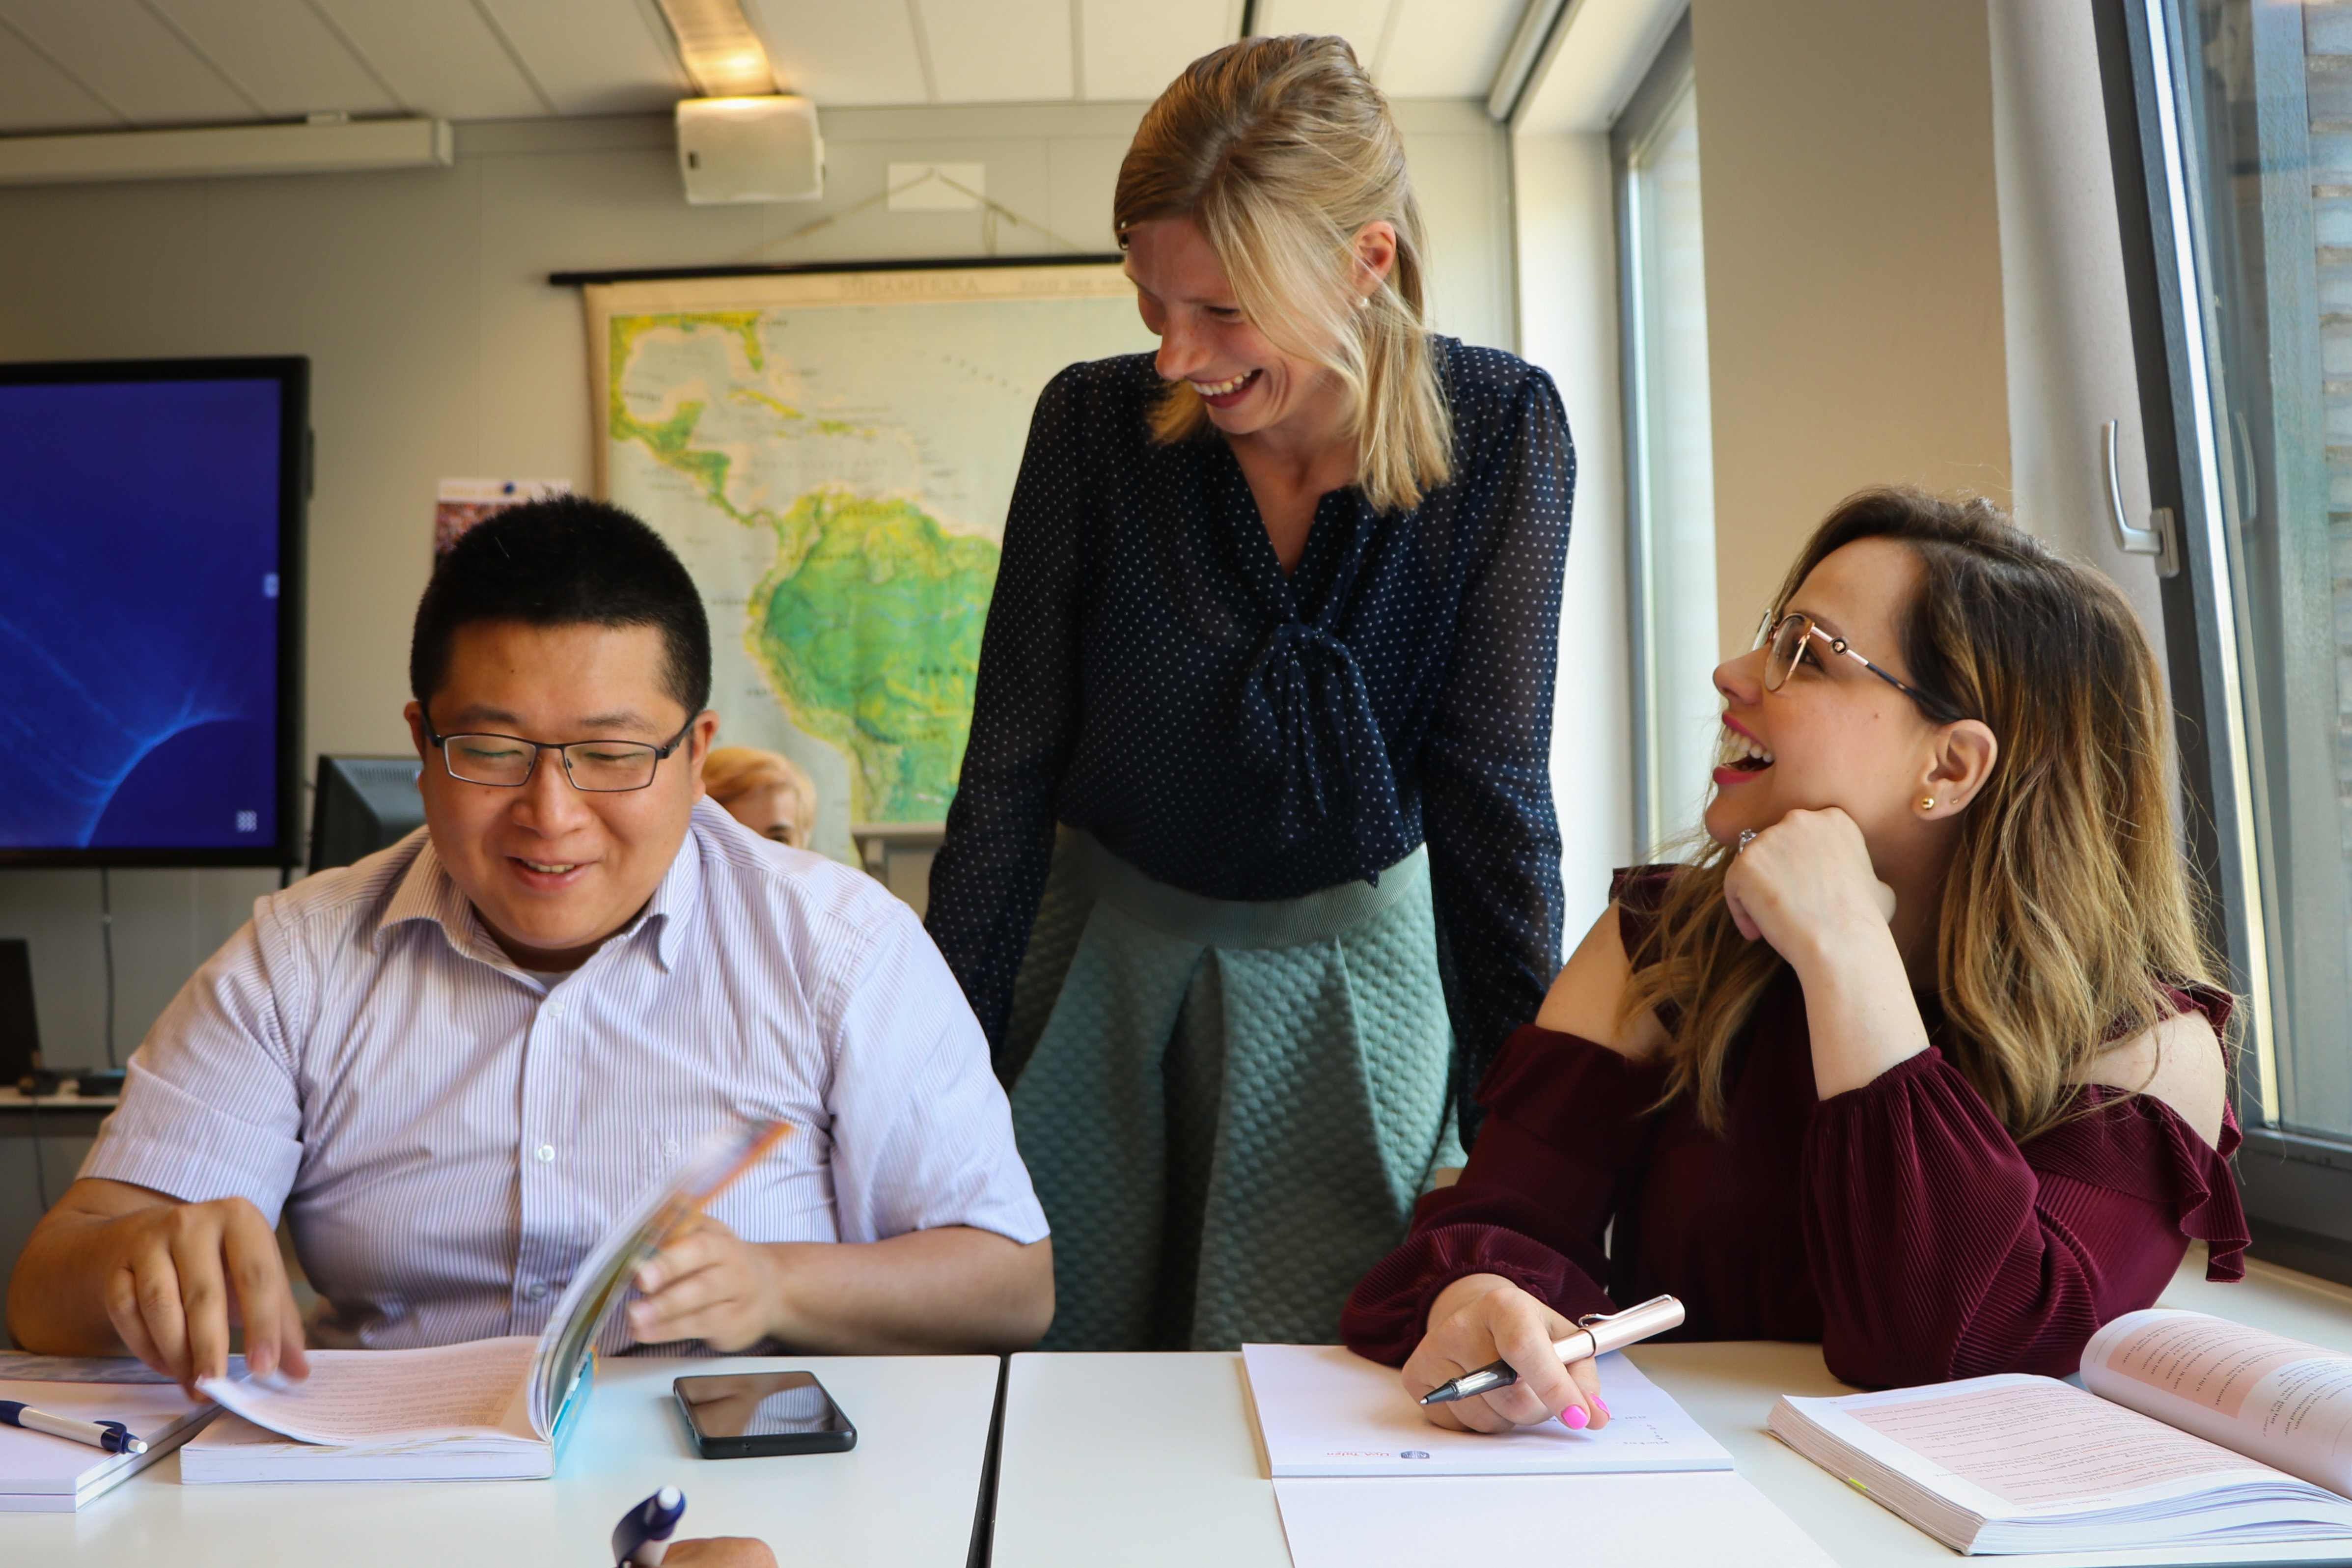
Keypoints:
pixel 1228 1108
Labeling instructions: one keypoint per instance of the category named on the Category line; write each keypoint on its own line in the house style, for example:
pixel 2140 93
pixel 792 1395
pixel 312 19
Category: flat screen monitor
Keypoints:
pixel 151 633
pixel 360 804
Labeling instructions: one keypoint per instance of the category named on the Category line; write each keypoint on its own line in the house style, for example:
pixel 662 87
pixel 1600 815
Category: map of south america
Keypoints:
pixel 833 456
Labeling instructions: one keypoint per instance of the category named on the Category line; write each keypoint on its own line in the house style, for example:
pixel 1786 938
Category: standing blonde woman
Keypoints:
pixel 1277 605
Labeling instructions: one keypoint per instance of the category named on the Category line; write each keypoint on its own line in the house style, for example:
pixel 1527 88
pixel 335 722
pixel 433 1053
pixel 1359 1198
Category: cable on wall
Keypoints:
pixel 106 941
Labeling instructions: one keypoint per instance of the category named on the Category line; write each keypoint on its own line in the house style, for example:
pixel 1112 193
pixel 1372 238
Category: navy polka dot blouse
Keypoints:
pixel 1150 674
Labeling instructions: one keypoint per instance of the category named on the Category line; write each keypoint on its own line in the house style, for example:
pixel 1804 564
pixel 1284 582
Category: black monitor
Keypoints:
pixel 150 523
pixel 20 1033
pixel 363 804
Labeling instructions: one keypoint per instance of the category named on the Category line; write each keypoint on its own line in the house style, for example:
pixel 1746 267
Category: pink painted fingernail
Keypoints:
pixel 1604 1405
pixel 1574 1418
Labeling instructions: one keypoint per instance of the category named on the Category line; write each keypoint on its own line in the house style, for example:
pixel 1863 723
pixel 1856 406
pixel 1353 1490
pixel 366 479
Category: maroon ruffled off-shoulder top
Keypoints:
pixel 1898 1224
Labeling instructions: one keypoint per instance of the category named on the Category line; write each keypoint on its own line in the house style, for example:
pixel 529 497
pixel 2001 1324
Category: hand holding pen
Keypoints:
pixel 642 1540
pixel 1483 1318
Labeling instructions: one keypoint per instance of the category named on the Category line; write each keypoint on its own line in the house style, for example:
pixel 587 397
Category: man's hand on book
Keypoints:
pixel 1481 1318
pixel 707 1283
pixel 169 1277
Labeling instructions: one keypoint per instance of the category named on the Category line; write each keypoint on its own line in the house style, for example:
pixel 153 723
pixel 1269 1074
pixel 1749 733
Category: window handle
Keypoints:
pixel 2156 540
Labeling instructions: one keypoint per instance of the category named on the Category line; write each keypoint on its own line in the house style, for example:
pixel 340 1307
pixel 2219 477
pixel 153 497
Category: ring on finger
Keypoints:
pixel 1746 837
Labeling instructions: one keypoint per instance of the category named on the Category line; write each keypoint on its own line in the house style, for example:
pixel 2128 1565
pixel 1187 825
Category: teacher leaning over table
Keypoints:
pixel 1277 605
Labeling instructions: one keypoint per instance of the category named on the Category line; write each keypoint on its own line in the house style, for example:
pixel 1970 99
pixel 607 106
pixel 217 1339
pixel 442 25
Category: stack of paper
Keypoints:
pixel 41 1474
pixel 1362 1476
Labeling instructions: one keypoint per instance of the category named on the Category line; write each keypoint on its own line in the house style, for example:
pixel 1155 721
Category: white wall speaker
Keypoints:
pixel 762 148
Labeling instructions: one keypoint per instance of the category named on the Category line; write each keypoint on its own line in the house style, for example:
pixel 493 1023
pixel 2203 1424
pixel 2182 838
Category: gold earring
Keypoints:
pixel 1927 803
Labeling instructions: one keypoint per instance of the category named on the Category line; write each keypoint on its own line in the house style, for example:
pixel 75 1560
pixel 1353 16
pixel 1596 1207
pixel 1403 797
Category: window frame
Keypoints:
pixel 2297 1186
pixel 1671 75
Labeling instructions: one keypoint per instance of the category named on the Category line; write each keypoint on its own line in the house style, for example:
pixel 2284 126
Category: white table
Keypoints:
pixel 1154 1459
pixel 906 1495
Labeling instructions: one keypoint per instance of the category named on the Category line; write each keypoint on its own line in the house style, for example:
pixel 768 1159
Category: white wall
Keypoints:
pixel 439 350
pixel 2067 328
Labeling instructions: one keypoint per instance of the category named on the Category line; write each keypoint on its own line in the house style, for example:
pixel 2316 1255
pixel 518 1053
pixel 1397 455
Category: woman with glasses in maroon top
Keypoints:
pixel 1921 1058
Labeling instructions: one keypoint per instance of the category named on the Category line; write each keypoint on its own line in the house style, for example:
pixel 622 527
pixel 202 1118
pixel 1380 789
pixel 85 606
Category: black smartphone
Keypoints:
pixel 738 1416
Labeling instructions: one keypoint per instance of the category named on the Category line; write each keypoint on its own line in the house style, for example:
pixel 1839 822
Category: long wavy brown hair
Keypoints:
pixel 2066 909
pixel 1281 150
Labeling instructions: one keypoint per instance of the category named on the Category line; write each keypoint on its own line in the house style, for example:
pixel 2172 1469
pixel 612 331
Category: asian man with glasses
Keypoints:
pixel 451 1066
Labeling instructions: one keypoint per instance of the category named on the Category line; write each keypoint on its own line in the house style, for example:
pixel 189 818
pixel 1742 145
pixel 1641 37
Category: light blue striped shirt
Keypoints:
pixel 447 1137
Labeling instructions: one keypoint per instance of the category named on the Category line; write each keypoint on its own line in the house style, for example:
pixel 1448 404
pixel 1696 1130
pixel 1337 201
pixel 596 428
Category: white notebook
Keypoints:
pixel 1698 1519
pixel 41 1474
pixel 1326 1411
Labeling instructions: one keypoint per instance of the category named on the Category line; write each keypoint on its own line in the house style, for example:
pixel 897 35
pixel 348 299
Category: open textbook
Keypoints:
pixel 492 1409
pixel 2190 1432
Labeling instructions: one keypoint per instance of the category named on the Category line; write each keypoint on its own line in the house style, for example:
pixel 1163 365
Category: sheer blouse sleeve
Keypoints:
pixel 1568 1124
pixel 1493 838
pixel 990 871
pixel 1942 1249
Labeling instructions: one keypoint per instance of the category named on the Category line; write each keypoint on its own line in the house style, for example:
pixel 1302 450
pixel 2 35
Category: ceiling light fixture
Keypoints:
pixel 719 49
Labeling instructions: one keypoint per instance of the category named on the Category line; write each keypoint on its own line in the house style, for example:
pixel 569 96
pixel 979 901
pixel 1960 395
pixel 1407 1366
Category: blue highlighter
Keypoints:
pixel 643 1535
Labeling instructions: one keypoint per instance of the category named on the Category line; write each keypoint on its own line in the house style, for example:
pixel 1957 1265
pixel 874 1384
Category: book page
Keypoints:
pixel 2036 1442
pixel 1325 1411
pixel 2276 1399
pixel 363 1396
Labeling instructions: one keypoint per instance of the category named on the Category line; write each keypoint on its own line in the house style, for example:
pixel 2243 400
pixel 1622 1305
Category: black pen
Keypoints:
pixel 1595 1335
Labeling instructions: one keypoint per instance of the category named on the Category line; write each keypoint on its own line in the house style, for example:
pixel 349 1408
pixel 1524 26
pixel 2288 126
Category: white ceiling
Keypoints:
pixel 93 65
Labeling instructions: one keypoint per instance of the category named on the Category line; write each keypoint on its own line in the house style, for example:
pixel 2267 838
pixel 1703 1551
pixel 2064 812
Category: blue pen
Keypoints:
pixel 112 1435
pixel 643 1535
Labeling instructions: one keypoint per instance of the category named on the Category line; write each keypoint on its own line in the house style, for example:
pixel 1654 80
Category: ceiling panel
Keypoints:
pixel 280 53
pixel 1448 48
pixel 843 55
pixel 1361 21
pixel 1133 48
pixel 999 51
pixel 36 95
pixel 133 61
pixel 439 56
pixel 593 57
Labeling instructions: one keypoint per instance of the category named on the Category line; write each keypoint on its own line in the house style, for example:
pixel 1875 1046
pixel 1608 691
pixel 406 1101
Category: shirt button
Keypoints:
pixel 546 1151
pixel 537 1293
pixel 555 1009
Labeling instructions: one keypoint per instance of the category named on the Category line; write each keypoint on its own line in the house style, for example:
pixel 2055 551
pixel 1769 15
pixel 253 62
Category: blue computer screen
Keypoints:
pixel 139 614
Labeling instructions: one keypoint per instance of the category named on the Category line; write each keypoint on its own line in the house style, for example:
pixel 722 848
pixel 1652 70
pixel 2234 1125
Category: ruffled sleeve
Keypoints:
pixel 1943 1249
pixel 1568 1123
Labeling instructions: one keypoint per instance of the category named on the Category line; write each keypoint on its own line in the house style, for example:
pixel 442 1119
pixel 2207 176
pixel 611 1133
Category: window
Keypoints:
pixel 2232 123
pixel 1670 467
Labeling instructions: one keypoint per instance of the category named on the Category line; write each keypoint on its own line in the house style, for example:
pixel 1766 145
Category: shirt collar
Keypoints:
pixel 427 893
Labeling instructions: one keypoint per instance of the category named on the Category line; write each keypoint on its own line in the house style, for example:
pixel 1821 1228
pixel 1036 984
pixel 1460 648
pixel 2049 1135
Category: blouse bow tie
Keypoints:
pixel 1307 730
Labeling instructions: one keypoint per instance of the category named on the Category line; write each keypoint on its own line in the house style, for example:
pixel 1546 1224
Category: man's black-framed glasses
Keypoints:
pixel 1785 644
pixel 507 761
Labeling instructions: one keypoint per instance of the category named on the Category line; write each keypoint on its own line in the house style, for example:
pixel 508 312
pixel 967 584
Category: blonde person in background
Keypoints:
pixel 766 791
pixel 1277 604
